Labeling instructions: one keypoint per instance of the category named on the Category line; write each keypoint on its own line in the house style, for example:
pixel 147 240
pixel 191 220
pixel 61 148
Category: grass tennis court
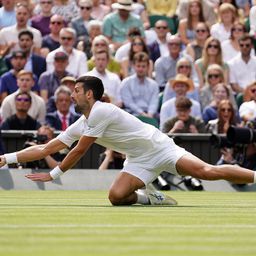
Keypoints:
pixel 44 223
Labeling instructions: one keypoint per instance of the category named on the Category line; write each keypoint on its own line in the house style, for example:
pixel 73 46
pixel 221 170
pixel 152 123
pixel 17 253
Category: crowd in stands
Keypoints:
pixel 182 65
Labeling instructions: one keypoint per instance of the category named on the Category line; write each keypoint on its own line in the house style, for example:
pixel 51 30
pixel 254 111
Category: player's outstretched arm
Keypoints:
pixel 69 161
pixel 33 153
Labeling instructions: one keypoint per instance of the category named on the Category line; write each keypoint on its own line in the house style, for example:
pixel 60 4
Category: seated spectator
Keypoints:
pixel 110 80
pixel 139 93
pixel 137 45
pixel 111 160
pixel 225 118
pixel 247 110
pixel 162 7
pixel 8 82
pixel 183 122
pixel 25 82
pixel 52 41
pixel 21 120
pixel 101 43
pixel 222 29
pixel 41 21
pixel 68 81
pixel 220 92
pixel 243 66
pixel 77 59
pixel 212 54
pixel 184 67
pixel 117 24
pixel 195 48
pixel 62 117
pixel 252 21
pixel 84 44
pixel 7 14
pixel 99 10
pixel 80 24
pixel 9 35
pixel 181 85
pixel 49 81
pixel 188 25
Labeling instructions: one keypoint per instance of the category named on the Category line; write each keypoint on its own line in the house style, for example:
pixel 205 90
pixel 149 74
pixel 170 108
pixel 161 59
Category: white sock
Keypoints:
pixel 142 199
pixel 254 179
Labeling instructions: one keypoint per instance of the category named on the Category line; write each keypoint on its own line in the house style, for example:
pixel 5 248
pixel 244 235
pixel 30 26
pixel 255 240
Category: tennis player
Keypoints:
pixel 148 151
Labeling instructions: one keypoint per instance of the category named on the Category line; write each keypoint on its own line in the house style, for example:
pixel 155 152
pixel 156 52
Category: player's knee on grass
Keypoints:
pixel 115 197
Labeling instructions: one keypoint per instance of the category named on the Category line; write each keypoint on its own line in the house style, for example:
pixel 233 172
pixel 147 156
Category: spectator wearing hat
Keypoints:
pixel 181 85
pixel 183 122
pixel 21 120
pixel 117 24
pixel 77 59
pixel 62 117
pixel 8 82
pixel 80 24
pixel 49 81
pixel 9 35
pixel 68 81
pixel 25 81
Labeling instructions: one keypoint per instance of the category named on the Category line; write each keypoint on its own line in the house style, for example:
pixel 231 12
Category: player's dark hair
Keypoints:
pixel 27 33
pixel 92 83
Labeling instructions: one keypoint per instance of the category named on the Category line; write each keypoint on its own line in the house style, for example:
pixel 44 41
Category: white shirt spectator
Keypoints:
pixel 242 73
pixel 77 61
pixel 252 18
pixel 123 52
pixel 111 83
pixel 248 109
pixel 219 32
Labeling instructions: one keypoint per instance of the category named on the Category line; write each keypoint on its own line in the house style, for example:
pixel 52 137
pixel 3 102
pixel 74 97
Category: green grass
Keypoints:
pixel 44 223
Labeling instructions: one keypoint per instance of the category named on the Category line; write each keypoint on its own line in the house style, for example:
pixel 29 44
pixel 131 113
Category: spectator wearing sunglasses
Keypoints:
pixel 21 120
pixel 243 66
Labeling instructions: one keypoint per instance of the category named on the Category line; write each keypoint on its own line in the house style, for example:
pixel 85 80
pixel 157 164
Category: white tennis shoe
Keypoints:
pixel 158 198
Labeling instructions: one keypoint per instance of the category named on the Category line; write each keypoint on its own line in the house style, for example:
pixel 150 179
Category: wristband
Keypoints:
pixel 56 172
pixel 11 158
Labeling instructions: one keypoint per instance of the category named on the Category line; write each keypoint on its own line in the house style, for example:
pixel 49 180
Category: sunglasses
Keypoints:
pixel 23 99
pixel 215 46
pixel 100 44
pixel 210 76
pixel 66 38
pixel 161 27
pixel 237 29
pixel 140 44
pixel 245 45
pixel 46 2
pixel 56 22
pixel 253 90
pixel 200 30
pixel 174 44
pixel 184 66
pixel 226 109
pixel 86 7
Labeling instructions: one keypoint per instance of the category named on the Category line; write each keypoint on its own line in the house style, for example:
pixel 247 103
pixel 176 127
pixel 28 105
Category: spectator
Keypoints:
pixel 99 10
pixel 7 14
pixel 165 67
pixel 84 44
pixel 212 54
pixel 184 66
pixel 159 47
pixel 123 51
pixel 247 110
pixel 188 25
pixel 243 66
pixel 222 29
pixel 21 120
pixel 25 81
pixel 110 80
pixel 62 117
pixel 41 21
pixel 181 85
pixel 252 21
pixel 69 82
pixel 52 41
pixel 137 45
pixel 195 48
pixel 162 7
pixel 116 25
pixel 9 35
pixel 220 92
pixel 139 10
pixel 183 122
pixel 80 24
pixel 208 11
pixel 77 59
pixel 139 93
pixel 101 43
pixel 111 160
pixel 49 81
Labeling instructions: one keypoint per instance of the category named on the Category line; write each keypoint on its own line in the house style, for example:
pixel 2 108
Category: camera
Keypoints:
pixel 220 141
pixel 241 135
